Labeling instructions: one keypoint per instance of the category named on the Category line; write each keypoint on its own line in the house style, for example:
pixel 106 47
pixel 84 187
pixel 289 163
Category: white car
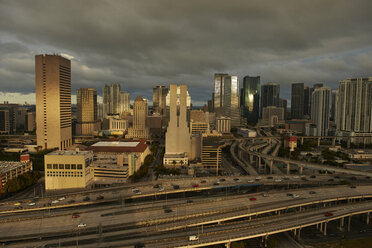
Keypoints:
pixel 278 180
pixel 32 204
pixel 55 201
pixel 250 181
pixel 193 238
pixel 62 198
pixel 161 189
pixel 295 196
pixel 296 177
pixel 134 190
pixel 138 192
pixel 82 225
pixel 258 178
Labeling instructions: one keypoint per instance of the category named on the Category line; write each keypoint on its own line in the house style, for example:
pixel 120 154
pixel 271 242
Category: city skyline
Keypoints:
pixel 152 50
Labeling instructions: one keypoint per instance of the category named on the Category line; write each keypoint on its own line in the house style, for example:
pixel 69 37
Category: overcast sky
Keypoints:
pixel 143 43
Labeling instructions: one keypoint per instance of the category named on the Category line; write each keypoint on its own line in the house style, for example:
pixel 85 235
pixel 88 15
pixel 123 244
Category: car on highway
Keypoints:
pixel 167 210
pixel 71 201
pixel 86 198
pixel 278 180
pixel 258 178
pixel 18 207
pixel 296 177
pixel 216 183
pixel 222 179
pixel 138 192
pixel 175 186
pixel 252 198
pixel 82 225
pixel 75 215
pixel 203 181
pixel 312 176
pixel 62 198
pixel 265 194
pixel 352 186
pixel 195 185
pixel 236 179
pixel 295 195
pixel 328 214
pixel 55 201
pixel 100 197
pixel 189 201
pixel 17 204
pixel 134 190
pixel 32 204
pixel 156 186
pixel 250 181
pixel 312 192
pixel 269 177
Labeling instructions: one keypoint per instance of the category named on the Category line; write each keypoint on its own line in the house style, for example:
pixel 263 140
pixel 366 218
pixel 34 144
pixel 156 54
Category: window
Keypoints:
pixel 73 166
pixel 55 166
pixel 67 166
pixel 61 166
pixel 80 166
pixel 49 166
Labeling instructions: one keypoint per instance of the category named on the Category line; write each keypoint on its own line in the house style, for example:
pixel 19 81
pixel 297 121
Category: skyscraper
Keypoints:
pixel 115 99
pixel 178 137
pixel 139 129
pixel 297 101
pixel 307 101
pixel 334 104
pixel 270 95
pixel 106 101
pixel 230 106
pixel 320 110
pixel 86 99
pixel 354 108
pixel 53 101
pixel 218 92
pixel 124 102
pixel 251 98
pixel 159 96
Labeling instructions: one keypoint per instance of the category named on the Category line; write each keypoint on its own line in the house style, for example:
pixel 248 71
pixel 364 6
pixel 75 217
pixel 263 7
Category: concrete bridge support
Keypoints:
pixel 349 224
pixel 342 223
pixel 301 170
pixel 228 245
pixel 333 141
pixel 325 229
pixel 367 219
pixel 288 168
pixel 271 166
pixel 302 141
pixel 318 142
pixel 348 142
pixel 299 234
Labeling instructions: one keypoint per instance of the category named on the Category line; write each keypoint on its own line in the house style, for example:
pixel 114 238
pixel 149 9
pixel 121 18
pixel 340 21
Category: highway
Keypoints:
pixel 156 221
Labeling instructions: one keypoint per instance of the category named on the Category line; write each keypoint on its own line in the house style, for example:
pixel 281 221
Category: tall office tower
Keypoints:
pixel 4 122
pixel 297 101
pixel 53 101
pixel 307 101
pixel 115 99
pixel 100 111
pixel 230 106
pixel 86 99
pixel 219 92
pixel 334 104
pixel 159 96
pixel 320 100
pixel 270 95
pixel 139 129
pixel 106 101
pixel 124 102
pixel 178 137
pixel 12 115
pixel 283 104
pixel 354 108
pixel 251 98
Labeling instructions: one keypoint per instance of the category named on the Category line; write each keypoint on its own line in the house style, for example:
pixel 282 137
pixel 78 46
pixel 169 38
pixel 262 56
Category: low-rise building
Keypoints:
pixel 211 151
pixel 223 124
pixel 115 125
pixel 291 142
pixel 12 169
pixel 247 133
pixel 360 154
pixel 68 170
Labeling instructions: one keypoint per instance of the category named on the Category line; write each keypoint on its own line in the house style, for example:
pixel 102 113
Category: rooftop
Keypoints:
pixel 119 146
pixel 69 153
pixel 6 166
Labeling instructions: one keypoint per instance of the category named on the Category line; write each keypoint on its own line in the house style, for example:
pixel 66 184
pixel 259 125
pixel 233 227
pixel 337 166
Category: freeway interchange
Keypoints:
pixel 233 210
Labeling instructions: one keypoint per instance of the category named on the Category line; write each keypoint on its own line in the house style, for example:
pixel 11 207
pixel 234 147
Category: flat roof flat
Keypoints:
pixel 116 144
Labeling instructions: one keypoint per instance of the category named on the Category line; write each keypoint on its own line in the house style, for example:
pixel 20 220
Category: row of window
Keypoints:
pixel 64 174
pixel 65 166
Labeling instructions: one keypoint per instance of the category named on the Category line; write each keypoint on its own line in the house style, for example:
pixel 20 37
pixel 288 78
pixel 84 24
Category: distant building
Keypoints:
pixel 297 101
pixel 111 99
pixel 334 105
pixel 178 137
pixel 307 102
pixel 10 114
pixel 114 125
pixel 53 101
pixel 272 116
pixel 139 128
pixel 219 92
pixel 124 103
pixel 4 122
pixel 231 106
pixel 269 95
pixel 291 142
pixel 223 124
pixel 159 97
pixel 68 170
pixel 251 98
pixel 12 169
pixel 320 110
pixel 86 99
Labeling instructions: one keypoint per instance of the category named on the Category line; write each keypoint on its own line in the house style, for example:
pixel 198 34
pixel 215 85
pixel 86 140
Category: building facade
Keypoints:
pixel 124 102
pixel 139 128
pixel 159 96
pixel 211 150
pixel 297 101
pixel 86 99
pixel 178 137
pixel 218 92
pixel 251 98
pixel 320 110
pixel 269 95
pixel 53 101
pixel 223 124
pixel 231 106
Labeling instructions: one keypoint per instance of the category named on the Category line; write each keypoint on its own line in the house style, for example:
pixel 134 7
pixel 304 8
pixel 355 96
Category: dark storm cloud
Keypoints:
pixel 142 43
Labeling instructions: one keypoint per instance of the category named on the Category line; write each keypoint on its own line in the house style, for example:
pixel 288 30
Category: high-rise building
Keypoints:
pixel 111 99
pixel 4 122
pixel 270 95
pixel 334 104
pixel 320 110
pixel 12 115
pixel 139 129
pixel 218 92
pixel 297 101
pixel 178 137
pixel 354 108
pixel 230 106
pixel 124 102
pixel 53 101
pixel 159 96
pixel 86 99
pixel 211 151
pixel 307 101
pixel 251 98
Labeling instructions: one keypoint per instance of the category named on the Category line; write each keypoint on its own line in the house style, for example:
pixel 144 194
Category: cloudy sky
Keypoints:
pixel 143 43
